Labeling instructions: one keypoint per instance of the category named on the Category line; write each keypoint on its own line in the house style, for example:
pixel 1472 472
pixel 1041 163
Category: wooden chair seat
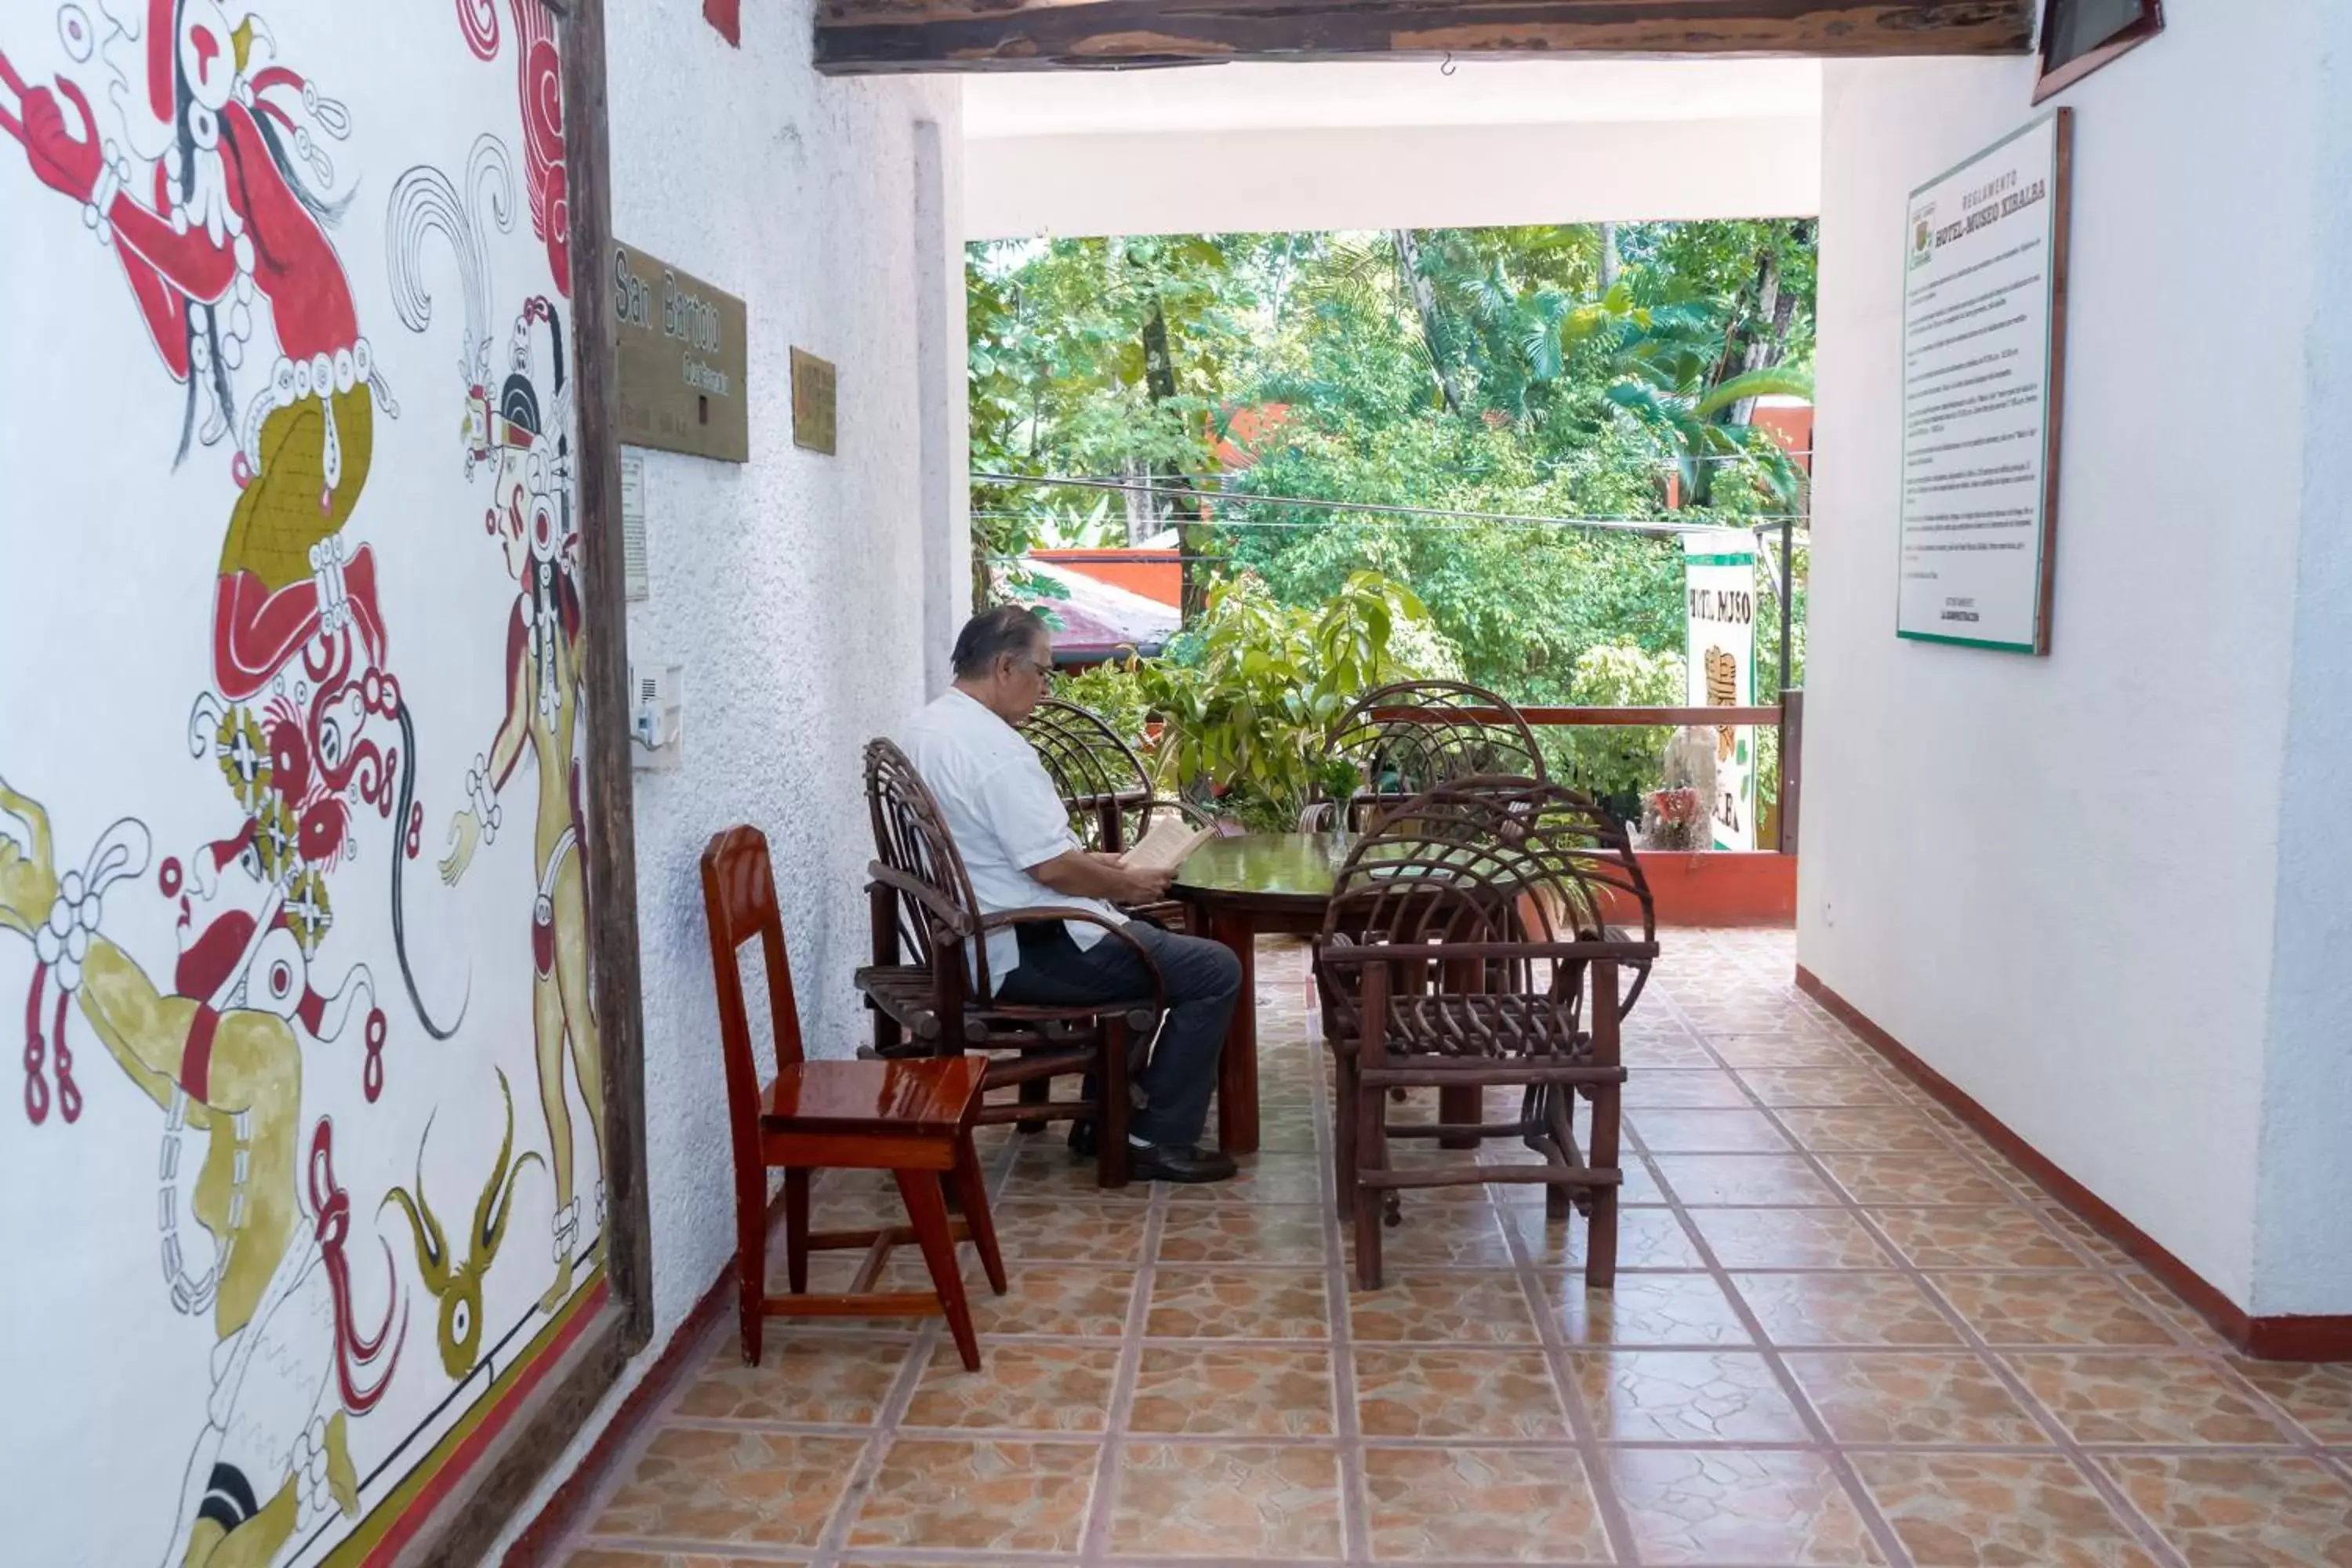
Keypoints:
pixel 911 1118
pixel 908 995
pixel 929 1098
pixel 1444 1029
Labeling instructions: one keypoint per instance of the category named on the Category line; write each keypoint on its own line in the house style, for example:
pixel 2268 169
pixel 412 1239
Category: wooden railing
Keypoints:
pixel 1788 716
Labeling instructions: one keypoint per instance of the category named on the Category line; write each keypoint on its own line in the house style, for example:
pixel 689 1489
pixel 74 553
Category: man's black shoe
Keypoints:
pixel 1189 1163
pixel 1082 1139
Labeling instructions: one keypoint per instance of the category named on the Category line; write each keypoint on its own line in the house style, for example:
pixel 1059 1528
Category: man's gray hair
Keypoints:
pixel 991 633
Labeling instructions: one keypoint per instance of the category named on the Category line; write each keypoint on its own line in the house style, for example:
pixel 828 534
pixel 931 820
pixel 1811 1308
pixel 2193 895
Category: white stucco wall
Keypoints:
pixel 1298 178
pixel 2303 1245
pixel 793 589
pixel 1268 146
pixel 2057 881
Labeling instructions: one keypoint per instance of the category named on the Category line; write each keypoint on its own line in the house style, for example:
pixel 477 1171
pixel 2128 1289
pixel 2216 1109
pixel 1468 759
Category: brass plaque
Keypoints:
pixel 813 402
pixel 681 358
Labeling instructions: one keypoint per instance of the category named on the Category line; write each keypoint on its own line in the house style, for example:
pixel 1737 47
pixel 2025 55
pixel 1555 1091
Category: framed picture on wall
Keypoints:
pixel 2078 37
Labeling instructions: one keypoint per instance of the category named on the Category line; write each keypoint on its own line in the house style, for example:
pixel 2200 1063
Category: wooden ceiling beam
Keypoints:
pixel 869 37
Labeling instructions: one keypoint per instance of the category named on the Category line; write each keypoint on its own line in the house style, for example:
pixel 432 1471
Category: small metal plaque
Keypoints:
pixel 812 386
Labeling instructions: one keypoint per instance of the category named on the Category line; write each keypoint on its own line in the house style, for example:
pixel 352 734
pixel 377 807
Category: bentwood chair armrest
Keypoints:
pixel 1342 951
pixel 1011 920
pixel 1184 808
pixel 951 921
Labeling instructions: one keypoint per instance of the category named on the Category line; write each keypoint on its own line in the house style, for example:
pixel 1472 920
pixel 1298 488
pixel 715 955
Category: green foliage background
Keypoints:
pixel 1539 373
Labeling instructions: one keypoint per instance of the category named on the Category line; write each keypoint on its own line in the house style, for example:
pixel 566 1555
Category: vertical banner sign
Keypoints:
pixel 1719 577
pixel 1984 332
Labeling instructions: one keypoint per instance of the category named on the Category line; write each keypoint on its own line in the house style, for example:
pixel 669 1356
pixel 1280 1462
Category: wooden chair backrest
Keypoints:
pixel 911 838
pixel 739 895
pixel 1415 735
pixel 1098 776
pixel 1499 862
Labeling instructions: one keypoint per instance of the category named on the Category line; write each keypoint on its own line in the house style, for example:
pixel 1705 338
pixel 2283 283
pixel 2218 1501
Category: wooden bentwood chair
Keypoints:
pixel 1464 947
pixel 1414 735
pixel 943 1003
pixel 1100 778
pixel 913 1119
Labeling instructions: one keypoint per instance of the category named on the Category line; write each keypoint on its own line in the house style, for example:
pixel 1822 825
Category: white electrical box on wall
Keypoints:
pixel 657 712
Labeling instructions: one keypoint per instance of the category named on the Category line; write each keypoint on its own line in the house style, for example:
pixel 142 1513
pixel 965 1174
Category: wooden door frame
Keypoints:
pixel 466 1519
pixel 857 38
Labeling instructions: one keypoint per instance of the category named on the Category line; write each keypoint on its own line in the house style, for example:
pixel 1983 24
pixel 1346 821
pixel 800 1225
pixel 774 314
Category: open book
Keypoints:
pixel 1171 841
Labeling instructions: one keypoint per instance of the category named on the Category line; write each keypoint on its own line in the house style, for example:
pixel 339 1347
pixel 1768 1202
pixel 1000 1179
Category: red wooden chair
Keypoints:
pixel 911 1118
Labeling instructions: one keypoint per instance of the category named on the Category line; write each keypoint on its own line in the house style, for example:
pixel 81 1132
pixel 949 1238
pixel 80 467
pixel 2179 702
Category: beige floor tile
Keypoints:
pixel 1999 1238
pixel 1685 1396
pixel 1648 1310
pixel 1913 1396
pixel 2054 1310
pixel 2228 1510
pixel 1421 1392
pixel 1435 1505
pixel 833 1379
pixel 1233 1389
pixel 979 1496
pixel 1442 1307
pixel 1854 1309
pixel 1235 1232
pixel 1790 1238
pixel 1723 1505
pixel 1209 1302
pixel 1228 1501
pixel 1019 1387
pixel 732 1488
pixel 2144 1398
pixel 1999 1511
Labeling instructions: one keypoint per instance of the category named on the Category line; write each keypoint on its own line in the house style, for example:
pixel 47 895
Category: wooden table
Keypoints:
pixel 1269 884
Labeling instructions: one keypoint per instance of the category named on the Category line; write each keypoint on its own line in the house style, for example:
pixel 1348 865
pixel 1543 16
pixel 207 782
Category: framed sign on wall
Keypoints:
pixel 2078 37
pixel 1984 338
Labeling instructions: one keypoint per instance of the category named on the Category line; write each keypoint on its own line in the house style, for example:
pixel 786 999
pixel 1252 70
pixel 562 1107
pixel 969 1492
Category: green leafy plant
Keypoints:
pixel 1338 779
pixel 1618 765
pixel 1113 692
pixel 1248 712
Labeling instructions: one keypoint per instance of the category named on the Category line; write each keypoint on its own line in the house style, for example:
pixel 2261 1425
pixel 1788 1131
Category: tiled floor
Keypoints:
pixel 1848 1333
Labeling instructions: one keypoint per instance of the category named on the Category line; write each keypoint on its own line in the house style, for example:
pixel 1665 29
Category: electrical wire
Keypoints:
pixel 1650 526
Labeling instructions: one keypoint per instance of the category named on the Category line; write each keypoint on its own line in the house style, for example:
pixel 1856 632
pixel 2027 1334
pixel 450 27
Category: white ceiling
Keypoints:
pixel 1255 96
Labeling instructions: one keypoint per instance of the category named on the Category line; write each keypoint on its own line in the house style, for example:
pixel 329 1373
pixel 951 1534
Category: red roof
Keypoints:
pixel 1098 619
pixel 1247 430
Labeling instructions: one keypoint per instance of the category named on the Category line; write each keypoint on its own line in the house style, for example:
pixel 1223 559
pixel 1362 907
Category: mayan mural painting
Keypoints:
pixel 303 1147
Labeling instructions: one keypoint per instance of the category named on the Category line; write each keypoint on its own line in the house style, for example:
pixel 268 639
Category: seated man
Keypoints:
pixel 1015 836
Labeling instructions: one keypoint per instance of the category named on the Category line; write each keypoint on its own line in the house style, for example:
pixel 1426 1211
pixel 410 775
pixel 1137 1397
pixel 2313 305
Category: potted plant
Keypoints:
pixel 1249 709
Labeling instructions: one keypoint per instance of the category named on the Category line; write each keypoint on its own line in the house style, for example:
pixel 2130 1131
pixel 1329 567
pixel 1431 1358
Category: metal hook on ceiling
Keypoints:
pixel 1447 68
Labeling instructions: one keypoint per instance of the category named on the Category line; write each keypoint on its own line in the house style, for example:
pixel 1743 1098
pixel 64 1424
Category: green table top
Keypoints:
pixel 1267 865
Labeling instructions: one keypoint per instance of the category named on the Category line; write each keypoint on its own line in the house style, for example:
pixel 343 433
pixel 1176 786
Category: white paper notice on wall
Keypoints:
pixel 1983 375
pixel 633 526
